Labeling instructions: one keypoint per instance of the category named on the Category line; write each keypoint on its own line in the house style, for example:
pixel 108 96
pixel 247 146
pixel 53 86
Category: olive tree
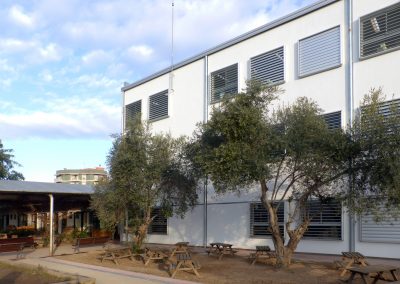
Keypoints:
pixel 289 154
pixel 146 170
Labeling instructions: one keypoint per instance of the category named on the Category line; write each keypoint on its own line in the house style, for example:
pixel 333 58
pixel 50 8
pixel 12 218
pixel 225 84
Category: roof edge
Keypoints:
pixel 271 25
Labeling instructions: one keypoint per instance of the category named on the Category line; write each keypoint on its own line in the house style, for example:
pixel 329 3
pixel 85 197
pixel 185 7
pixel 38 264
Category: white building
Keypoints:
pixel 334 52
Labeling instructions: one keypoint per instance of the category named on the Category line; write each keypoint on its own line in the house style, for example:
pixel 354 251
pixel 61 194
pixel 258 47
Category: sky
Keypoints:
pixel 63 63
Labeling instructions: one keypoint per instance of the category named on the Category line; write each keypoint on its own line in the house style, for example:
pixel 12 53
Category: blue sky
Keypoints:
pixel 62 64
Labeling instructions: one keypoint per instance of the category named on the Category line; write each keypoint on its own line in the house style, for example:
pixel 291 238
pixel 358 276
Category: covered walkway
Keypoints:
pixel 36 198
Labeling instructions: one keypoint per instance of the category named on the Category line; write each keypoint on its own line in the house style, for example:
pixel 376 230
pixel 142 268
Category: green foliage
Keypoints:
pixel 290 153
pixel 244 143
pixel 7 165
pixel 146 171
pixel 375 169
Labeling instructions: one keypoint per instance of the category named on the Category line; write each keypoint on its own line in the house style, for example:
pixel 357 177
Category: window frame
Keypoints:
pixel 126 110
pixel 283 81
pixel 164 92
pixel 332 113
pixel 326 69
pixel 367 16
pixel 211 95
pixel 150 230
pixel 268 235
pixel 325 224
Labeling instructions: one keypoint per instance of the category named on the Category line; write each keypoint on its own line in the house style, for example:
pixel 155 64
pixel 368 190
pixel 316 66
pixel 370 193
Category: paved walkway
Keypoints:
pixel 103 275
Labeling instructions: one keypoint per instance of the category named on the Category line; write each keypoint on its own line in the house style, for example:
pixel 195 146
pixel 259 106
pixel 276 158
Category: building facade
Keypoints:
pixel 333 52
pixel 87 176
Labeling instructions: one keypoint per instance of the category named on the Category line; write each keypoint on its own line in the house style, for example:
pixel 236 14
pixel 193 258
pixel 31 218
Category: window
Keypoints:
pixel 327 220
pixel 333 119
pixel 386 108
pixel 66 177
pixel 158 105
pixel 386 231
pixel 268 67
pixel 159 224
pixel 224 82
pixel 380 31
pixel 319 52
pixel 132 110
pixel 259 220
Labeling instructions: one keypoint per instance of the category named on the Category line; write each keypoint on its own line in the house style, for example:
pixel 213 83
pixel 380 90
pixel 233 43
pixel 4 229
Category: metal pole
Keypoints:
pixel 350 103
pixel 205 119
pixel 51 224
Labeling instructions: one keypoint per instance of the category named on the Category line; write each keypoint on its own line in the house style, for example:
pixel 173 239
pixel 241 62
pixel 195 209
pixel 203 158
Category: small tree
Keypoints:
pixel 290 153
pixel 375 182
pixel 146 171
pixel 7 165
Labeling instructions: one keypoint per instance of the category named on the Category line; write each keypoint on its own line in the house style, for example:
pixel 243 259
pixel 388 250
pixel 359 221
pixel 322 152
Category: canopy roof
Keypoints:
pixel 29 196
pixel 43 187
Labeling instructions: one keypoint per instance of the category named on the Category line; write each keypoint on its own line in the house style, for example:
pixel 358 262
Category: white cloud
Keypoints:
pixel 18 16
pixel 140 52
pixel 46 76
pixel 70 117
pixel 96 81
pixel 97 57
pixel 32 51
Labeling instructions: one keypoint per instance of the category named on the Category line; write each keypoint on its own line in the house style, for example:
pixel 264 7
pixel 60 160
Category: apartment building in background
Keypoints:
pixel 89 176
pixel 334 52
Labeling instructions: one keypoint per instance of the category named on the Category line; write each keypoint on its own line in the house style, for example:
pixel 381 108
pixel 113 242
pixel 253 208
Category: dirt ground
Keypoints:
pixel 231 269
pixel 23 275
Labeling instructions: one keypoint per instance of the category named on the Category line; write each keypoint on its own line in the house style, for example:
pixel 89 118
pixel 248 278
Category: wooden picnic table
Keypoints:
pixel 180 247
pixel 153 254
pixel 221 249
pixel 374 271
pixel 350 259
pixel 184 262
pixel 262 253
pixel 115 253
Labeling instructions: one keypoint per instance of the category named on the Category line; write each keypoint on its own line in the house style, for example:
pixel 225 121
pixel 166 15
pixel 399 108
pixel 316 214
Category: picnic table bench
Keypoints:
pixel 184 262
pixel 79 242
pixel 10 247
pixel 221 249
pixel 374 271
pixel 262 253
pixel 153 254
pixel 180 247
pixel 115 253
pixel 28 241
pixel 349 259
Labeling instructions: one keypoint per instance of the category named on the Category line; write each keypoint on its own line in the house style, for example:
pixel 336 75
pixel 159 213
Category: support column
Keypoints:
pixel 51 224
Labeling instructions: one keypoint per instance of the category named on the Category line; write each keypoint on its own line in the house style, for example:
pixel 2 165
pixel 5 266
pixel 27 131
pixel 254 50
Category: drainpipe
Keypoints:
pixel 205 119
pixel 51 225
pixel 350 101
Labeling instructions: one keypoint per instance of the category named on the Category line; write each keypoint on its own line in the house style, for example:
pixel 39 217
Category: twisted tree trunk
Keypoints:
pixel 284 253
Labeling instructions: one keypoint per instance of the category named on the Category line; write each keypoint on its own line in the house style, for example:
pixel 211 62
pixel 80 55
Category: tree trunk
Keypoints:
pixel 283 253
pixel 142 230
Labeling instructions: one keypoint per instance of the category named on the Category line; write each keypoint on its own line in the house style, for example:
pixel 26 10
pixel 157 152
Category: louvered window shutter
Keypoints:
pixel 259 220
pixel 159 225
pixel 224 82
pixel 380 31
pixel 327 220
pixel 158 106
pixel 385 231
pixel 268 67
pixel 132 110
pixel 333 119
pixel 319 52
